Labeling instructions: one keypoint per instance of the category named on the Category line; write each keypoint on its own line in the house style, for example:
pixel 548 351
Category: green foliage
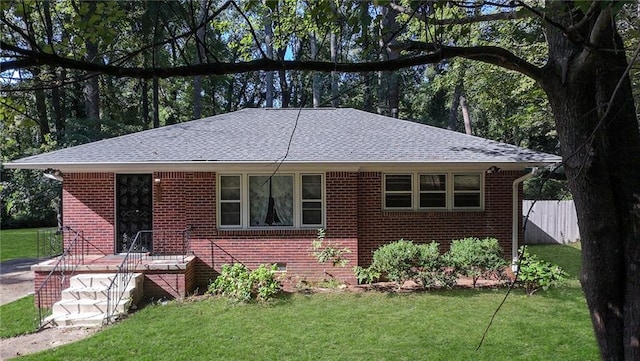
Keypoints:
pixel 476 258
pixel 325 251
pixel 366 274
pixel 236 282
pixel 403 260
pixel 535 274
pixel 28 199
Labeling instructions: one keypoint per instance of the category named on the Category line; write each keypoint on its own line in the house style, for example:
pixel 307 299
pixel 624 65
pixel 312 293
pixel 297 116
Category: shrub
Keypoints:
pixel 240 284
pixel 476 258
pixel 535 274
pixel 402 261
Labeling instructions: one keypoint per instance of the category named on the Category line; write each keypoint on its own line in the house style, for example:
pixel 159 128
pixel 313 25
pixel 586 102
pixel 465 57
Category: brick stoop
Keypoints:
pixel 84 303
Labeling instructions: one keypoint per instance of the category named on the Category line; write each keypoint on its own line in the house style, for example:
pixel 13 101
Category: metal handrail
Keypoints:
pixel 127 268
pixel 119 283
pixel 50 291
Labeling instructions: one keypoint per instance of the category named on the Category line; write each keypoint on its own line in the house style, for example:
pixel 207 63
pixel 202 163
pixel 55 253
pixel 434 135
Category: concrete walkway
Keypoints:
pixel 16 279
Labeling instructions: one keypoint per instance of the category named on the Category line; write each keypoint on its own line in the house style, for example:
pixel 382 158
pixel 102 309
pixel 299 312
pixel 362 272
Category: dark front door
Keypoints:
pixel 133 212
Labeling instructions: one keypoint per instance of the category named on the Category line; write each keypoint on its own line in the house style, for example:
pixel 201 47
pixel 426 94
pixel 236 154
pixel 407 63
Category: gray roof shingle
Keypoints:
pixel 323 135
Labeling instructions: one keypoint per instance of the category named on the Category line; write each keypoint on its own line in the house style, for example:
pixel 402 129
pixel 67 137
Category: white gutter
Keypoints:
pixel 514 219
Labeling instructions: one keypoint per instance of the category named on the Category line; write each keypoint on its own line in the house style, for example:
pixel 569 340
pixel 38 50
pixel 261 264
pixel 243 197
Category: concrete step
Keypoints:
pixel 92 280
pixel 85 302
pixel 91 319
pixel 66 307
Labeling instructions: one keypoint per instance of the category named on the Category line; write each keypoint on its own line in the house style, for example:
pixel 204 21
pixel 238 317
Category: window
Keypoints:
pixel 433 191
pixel 466 191
pixel 271 200
pixel 437 191
pixel 265 200
pixel 230 201
pixel 398 191
pixel 311 200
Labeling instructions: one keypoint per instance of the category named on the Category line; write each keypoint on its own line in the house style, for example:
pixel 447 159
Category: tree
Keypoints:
pixel 585 76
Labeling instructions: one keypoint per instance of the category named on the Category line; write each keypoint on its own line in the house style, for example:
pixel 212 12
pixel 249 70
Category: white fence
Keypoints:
pixel 550 222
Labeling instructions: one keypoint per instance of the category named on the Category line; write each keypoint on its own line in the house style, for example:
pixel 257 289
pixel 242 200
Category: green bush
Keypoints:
pixel 240 284
pixel 402 261
pixel 535 274
pixel 476 258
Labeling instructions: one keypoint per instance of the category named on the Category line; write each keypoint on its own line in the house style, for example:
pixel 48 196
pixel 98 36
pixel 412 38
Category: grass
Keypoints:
pixel 18 243
pixel 568 257
pixel 18 317
pixel 439 325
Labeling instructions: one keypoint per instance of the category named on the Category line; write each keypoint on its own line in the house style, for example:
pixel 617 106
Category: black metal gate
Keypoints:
pixel 134 211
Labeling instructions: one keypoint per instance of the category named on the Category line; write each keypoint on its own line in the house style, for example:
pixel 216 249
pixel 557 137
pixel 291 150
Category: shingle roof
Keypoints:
pixel 323 135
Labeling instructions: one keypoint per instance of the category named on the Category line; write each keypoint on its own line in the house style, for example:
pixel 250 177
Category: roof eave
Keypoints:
pixel 270 166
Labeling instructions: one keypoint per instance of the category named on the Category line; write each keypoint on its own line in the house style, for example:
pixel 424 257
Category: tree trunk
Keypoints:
pixel 284 83
pixel 455 103
pixel 268 42
pixel 57 92
pixel 200 57
pixel 316 79
pixel 57 101
pixel 156 103
pixel 91 89
pixel 600 143
pixel 365 20
pixel 465 115
pixel 389 80
pixel 334 75
pixel 41 109
pixel 145 103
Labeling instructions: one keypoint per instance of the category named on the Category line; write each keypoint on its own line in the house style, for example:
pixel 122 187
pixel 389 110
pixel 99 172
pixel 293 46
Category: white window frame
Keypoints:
pixel 454 191
pixel 302 200
pixel 450 192
pixel 447 202
pixel 297 202
pixel 385 192
pixel 220 201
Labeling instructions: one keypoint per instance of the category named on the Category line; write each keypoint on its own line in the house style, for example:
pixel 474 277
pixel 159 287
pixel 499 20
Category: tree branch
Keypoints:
pixel 488 54
pixel 508 15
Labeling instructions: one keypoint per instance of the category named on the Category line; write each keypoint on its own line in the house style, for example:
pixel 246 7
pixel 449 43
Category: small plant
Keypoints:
pixel 325 251
pixel 264 284
pixel 476 258
pixel 535 274
pixel 240 284
pixel 366 274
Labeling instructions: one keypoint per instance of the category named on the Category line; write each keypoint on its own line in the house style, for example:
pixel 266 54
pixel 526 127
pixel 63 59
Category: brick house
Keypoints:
pixel 253 186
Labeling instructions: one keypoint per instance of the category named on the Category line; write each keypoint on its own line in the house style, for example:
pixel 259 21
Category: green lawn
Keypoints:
pixel 438 325
pixel 566 256
pixel 19 243
pixel 18 317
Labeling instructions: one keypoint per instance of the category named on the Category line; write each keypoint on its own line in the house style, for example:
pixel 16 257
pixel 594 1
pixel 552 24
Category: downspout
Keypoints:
pixel 515 216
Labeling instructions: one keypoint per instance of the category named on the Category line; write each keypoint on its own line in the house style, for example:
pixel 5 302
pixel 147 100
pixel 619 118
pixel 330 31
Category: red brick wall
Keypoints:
pixel 377 227
pixel 166 285
pixel 88 205
pixel 354 219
